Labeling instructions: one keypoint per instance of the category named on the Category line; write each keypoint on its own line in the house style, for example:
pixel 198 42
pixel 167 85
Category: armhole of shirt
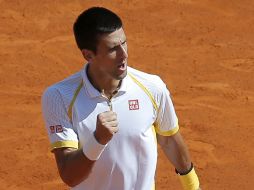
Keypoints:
pixel 73 100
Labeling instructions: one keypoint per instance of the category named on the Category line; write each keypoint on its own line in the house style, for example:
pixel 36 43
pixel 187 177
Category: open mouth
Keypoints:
pixel 122 66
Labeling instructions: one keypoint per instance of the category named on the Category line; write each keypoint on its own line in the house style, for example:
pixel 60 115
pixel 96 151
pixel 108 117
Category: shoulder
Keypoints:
pixel 152 82
pixel 63 90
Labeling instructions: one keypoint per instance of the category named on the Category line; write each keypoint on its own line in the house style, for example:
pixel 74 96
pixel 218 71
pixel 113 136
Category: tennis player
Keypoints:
pixel 104 122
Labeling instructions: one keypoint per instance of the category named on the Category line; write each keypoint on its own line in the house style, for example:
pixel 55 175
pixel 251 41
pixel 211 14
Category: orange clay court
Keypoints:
pixel 203 50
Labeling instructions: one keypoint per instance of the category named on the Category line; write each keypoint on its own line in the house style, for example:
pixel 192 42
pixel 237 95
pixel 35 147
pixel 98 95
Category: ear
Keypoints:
pixel 88 54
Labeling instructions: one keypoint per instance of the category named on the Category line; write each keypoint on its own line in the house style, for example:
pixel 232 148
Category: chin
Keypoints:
pixel 121 76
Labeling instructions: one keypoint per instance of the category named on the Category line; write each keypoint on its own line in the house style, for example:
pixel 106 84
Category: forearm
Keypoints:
pixel 75 167
pixel 176 151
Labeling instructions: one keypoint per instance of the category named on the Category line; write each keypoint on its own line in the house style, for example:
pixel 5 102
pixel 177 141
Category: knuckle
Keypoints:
pixel 106 125
pixel 100 116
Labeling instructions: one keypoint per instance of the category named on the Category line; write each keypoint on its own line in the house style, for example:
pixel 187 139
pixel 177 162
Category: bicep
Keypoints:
pixel 170 141
pixel 170 145
pixel 61 157
pixel 72 159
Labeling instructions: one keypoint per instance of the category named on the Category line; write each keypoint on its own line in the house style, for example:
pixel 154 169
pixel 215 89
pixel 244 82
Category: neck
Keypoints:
pixel 106 85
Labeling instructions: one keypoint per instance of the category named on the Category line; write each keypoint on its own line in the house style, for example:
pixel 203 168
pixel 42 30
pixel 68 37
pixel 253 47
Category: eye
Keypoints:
pixel 113 49
pixel 116 47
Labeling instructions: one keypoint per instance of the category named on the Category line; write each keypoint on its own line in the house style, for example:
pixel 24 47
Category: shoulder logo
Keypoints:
pixel 56 129
pixel 133 105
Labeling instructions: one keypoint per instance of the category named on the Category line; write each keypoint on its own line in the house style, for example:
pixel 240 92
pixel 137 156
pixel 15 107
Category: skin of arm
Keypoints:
pixel 176 151
pixel 73 165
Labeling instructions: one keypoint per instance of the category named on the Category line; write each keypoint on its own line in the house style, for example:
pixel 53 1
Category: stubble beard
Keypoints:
pixel 122 76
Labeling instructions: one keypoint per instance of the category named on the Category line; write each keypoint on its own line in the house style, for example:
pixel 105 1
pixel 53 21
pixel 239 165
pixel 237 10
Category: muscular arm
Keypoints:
pixel 73 165
pixel 176 151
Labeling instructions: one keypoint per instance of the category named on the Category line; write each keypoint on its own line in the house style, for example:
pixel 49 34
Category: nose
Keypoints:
pixel 123 51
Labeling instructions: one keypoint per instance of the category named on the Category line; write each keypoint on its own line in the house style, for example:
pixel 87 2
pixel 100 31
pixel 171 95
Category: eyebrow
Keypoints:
pixel 116 44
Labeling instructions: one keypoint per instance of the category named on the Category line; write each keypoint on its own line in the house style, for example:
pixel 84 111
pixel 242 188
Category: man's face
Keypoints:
pixel 110 60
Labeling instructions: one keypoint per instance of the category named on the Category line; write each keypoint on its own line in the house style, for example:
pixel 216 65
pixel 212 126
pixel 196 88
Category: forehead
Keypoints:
pixel 113 39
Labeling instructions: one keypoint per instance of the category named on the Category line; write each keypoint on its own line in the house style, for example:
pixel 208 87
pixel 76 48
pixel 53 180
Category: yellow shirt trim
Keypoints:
pixel 73 100
pixel 61 144
pixel 145 90
pixel 154 133
pixel 167 133
pixel 156 128
pixel 153 187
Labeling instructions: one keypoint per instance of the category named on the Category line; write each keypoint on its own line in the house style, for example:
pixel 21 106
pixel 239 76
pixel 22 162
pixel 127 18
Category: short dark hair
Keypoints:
pixel 92 23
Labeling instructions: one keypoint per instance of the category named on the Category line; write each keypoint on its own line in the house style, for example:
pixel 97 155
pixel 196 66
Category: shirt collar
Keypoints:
pixel 93 92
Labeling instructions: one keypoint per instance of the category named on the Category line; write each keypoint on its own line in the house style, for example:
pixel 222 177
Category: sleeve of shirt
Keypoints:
pixel 166 121
pixel 59 128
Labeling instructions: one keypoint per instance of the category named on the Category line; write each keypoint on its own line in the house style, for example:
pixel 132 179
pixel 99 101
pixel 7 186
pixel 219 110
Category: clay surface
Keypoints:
pixel 203 50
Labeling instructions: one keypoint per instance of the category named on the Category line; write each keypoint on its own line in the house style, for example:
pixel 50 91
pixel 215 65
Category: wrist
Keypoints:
pixel 185 172
pixel 189 179
pixel 98 139
pixel 92 149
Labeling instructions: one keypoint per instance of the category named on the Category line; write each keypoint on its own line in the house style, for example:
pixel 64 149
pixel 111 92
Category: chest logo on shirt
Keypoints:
pixel 133 105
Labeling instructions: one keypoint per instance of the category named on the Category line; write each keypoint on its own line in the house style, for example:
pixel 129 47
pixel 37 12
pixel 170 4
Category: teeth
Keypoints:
pixel 122 66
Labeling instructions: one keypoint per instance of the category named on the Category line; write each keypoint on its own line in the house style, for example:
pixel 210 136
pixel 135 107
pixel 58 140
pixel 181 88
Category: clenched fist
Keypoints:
pixel 106 126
